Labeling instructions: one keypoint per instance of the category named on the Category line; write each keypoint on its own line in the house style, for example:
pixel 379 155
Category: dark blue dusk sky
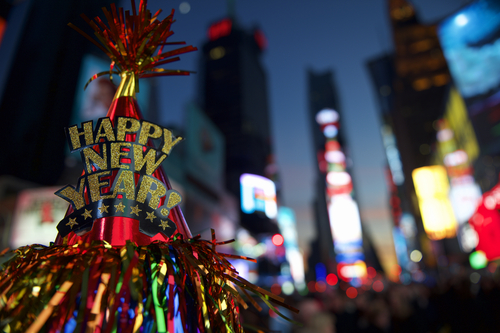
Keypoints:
pixel 338 35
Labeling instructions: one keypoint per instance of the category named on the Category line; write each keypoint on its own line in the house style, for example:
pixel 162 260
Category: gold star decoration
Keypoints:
pixel 72 222
pixel 103 208
pixel 151 216
pixel 87 213
pixel 135 210
pixel 120 207
pixel 164 224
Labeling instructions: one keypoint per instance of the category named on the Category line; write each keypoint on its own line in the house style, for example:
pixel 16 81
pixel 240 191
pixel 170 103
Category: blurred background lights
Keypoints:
pixel 327 116
pixel 277 240
pixel 332 279
pixel 416 256
pixel 475 277
pixel 461 20
pixel 330 131
pixel 338 178
pixel 478 260
pixel 287 288
pixel 351 292
pixel 320 286
pixel 184 7
pixel 378 286
pixel 444 135
pixel 335 156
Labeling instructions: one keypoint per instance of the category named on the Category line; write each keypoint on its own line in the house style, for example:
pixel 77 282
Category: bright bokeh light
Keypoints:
pixel 378 286
pixel 327 116
pixel 478 260
pixel 332 279
pixel 461 20
pixel 338 178
pixel 278 240
pixel 416 256
pixel 351 292
pixel 330 131
pixel 287 288
pixel 335 156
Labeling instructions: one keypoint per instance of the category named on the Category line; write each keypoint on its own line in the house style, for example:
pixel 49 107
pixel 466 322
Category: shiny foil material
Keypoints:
pixel 183 285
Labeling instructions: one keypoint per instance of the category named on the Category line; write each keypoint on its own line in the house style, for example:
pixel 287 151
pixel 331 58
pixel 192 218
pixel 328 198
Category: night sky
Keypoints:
pixel 321 35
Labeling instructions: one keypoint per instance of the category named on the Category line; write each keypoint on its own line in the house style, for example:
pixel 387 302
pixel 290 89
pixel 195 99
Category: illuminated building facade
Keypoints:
pixel 337 214
pixel 412 87
pixel 233 92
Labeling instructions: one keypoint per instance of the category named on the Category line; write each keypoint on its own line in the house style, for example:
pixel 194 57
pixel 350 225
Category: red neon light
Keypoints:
pixel 220 29
pixel 278 240
pixel 332 279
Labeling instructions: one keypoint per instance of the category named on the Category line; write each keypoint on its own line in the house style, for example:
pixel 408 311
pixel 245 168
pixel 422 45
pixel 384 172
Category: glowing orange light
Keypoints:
pixel 278 240
pixel 378 286
pixel 320 286
pixel 332 279
pixel 351 292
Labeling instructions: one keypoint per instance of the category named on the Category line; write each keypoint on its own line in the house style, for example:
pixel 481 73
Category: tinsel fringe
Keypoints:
pixel 184 285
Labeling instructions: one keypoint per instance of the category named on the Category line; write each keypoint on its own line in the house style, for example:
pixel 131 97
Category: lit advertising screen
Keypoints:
pixel 37 213
pixel 471 45
pixel 258 194
pixel 432 187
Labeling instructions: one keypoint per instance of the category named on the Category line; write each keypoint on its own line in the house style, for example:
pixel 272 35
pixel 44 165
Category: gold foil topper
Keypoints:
pixel 118 178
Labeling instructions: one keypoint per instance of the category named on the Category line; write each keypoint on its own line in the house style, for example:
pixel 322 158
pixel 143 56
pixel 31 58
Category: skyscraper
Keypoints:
pixel 233 91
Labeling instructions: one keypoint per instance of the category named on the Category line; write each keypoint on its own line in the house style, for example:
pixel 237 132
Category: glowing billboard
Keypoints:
pixel 344 220
pixel 431 186
pixel 287 225
pixel 470 42
pixel 35 217
pixel 486 223
pixel 258 194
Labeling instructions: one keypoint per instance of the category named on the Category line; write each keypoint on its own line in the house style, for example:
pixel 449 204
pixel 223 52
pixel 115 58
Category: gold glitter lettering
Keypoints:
pixel 145 189
pixel 105 124
pixel 117 154
pixel 122 128
pixel 173 199
pixel 92 158
pixel 149 160
pixel 74 197
pixel 74 135
pixel 146 132
pixel 169 141
pixel 126 178
pixel 95 185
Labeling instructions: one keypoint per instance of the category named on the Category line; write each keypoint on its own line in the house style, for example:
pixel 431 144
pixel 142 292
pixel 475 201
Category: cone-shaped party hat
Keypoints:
pixel 130 41
pixel 124 259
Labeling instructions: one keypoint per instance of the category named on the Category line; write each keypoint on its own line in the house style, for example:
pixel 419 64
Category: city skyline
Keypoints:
pixel 327 36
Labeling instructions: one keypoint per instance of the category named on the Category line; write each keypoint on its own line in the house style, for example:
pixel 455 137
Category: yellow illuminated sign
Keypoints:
pixel 431 186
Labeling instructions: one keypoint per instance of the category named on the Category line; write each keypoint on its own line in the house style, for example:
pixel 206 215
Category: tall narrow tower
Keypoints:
pixel 233 90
